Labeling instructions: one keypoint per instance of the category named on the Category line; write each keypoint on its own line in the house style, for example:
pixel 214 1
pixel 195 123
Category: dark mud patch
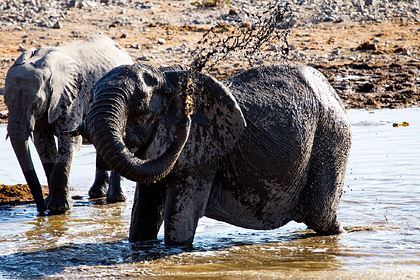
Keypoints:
pixel 374 86
pixel 17 194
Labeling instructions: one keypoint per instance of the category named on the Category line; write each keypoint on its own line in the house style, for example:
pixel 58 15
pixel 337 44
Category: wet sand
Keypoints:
pixel 17 194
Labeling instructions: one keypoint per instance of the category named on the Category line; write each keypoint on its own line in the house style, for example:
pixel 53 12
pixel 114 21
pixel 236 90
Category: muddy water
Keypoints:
pixel 380 208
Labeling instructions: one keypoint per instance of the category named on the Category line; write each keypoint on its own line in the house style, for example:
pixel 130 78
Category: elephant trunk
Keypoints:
pixel 105 125
pixel 19 138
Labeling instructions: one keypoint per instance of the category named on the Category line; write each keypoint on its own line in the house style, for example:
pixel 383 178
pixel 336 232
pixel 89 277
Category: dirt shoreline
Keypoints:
pixel 17 194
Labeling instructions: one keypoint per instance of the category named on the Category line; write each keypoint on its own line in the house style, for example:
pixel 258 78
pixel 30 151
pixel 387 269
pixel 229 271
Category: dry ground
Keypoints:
pixel 383 75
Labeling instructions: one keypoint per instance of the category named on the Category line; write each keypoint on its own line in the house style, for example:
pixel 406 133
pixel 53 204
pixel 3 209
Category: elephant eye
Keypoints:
pixel 150 80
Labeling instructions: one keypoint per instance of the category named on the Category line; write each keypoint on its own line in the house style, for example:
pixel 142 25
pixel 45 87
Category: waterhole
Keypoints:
pixel 380 209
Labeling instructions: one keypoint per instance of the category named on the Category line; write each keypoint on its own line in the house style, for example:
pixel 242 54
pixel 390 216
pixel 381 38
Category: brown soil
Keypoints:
pixel 371 65
pixel 17 194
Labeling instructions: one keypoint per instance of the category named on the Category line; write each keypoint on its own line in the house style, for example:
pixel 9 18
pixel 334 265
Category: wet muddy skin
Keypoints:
pixel 380 210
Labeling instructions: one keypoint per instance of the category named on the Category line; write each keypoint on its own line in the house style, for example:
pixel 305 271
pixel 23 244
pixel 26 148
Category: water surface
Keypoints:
pixel 380 208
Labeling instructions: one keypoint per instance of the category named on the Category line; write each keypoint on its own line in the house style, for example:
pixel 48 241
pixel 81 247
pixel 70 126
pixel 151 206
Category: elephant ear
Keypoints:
pixel 25 56
pixel 64 87
pixel 217 120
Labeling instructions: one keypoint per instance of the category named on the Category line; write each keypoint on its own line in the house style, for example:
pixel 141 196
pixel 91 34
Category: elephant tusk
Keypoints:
pixel 188 105
pixel 188 102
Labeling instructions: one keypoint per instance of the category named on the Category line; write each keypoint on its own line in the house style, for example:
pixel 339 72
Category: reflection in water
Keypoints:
pixel 300 250
pixel 380 210
pixel 51 228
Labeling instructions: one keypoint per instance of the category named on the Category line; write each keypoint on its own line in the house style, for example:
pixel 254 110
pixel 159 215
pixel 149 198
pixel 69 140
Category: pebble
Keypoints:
pixel 365 87
pixel 57 25
pixel 142 58
pixel 4 114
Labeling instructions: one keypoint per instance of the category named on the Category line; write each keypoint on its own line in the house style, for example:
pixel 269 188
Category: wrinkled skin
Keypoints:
pixel 47 93
pixel 268 146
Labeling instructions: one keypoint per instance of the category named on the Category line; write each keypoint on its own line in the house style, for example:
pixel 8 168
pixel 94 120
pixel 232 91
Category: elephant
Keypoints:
pixel 262 148
pixel 47 92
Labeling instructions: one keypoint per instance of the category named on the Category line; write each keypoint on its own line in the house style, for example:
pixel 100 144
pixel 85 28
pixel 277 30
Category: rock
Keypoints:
pixel 21 48
pixel 142 58
pixel 369 2
pixel 335 51
pixel 144 5
pixel 161 41
pixel 366 87
pixel 86 4
pixel 366 46
pixel 57 25
pixel 233 12
pixel 4 114
pixel 116 23
pixel 134 46
pixel 402 50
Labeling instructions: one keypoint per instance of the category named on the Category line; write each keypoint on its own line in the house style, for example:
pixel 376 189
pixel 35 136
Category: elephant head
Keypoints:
pixel 38 85
pixel 142 109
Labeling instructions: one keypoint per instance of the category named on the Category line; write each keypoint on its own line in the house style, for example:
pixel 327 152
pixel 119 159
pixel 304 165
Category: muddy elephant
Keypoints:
pixel 47 92
pixel 265 147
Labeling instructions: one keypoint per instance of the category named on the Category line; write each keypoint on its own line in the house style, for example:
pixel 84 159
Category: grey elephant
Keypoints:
pixel 265 147
pixel 47 92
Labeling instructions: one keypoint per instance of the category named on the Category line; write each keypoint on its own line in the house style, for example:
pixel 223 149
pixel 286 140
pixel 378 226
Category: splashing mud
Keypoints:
pixel 380 210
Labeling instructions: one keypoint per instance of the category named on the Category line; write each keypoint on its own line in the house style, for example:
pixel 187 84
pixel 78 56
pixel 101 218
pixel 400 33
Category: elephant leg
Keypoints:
pixel 147 212
pixel 99 187
pixel 47 150
pixel 185 205
pixel 325 182
pixel 59 200
pixel 115 192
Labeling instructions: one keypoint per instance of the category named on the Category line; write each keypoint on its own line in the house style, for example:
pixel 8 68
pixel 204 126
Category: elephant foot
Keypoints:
pixel 115 192
pixel 180 244
pixel 59 204
pixel 119 197
pixel 98 191
pixel 100 185
pixel 332 229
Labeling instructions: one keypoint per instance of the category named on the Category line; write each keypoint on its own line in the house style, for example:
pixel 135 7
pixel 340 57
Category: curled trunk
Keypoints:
pixel 105 125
